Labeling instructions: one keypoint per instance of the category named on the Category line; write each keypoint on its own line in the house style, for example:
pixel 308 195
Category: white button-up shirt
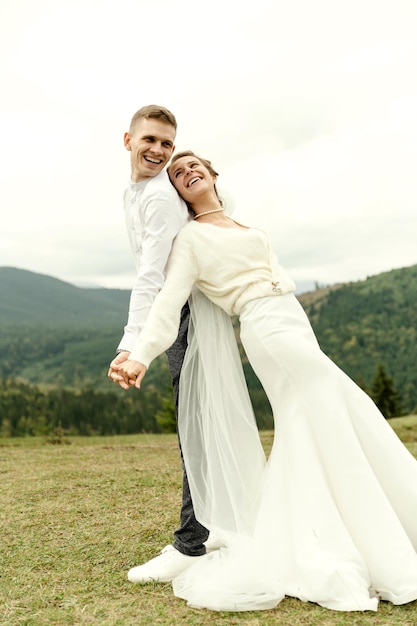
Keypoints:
pixel 154 215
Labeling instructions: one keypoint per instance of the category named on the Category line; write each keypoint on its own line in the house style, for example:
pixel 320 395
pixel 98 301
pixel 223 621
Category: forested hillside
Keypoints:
pixel 36 300
pixel 56 342
pixel 362 324
pixel 60 339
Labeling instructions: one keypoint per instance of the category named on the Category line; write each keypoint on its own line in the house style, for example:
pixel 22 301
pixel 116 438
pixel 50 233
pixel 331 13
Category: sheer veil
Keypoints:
pixel 218 432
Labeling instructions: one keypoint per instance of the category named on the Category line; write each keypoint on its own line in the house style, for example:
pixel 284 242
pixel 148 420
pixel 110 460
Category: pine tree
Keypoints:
pixel 384 394
pixel 166 417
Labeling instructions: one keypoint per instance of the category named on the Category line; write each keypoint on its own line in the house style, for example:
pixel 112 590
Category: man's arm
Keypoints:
pixel 162 222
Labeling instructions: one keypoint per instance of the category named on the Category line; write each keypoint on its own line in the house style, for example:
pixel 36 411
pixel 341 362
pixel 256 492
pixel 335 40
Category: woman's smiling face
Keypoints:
pixel 191 178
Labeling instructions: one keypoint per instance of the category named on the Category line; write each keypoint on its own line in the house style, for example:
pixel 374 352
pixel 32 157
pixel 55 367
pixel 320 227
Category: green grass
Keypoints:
pixel 74 518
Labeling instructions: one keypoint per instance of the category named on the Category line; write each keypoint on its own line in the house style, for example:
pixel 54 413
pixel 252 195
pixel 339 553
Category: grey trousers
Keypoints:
pixel 191 535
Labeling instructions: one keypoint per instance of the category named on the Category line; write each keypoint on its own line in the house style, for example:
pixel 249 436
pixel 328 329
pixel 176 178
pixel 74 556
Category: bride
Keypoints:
pixel 331 516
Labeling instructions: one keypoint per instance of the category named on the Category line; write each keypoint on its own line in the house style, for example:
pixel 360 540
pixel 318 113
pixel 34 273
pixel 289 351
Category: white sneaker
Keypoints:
pixel 213 543
pixel 163 568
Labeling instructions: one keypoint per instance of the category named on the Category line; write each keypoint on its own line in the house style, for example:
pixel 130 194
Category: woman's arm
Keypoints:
pixel 161 327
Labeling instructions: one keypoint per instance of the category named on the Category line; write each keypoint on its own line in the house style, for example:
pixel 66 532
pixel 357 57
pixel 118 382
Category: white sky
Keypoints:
pixel 307 108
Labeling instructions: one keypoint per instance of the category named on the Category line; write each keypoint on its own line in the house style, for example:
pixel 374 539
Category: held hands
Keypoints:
pixel 131 374
pixel 113 372
pixel 126 373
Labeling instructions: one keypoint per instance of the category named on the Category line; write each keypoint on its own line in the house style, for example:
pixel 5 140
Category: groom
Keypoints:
pixel 154 215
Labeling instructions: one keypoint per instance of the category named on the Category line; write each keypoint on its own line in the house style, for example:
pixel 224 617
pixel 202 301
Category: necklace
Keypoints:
pixel 207 212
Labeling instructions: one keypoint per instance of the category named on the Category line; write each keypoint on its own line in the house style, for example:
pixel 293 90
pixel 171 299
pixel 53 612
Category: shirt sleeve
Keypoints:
pixel 162 221
pixel 161 327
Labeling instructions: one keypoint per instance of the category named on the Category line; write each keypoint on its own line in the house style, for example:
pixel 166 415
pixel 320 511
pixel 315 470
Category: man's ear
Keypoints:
pixel 126 141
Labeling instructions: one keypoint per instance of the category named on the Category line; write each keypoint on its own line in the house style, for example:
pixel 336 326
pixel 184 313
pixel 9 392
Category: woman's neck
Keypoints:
pixel 206 203
pixel 211 214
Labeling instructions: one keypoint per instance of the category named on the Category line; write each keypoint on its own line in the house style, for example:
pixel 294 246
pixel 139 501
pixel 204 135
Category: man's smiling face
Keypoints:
pixel 151 144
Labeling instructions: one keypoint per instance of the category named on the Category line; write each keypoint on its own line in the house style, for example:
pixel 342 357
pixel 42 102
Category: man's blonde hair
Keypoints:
pixel 153 111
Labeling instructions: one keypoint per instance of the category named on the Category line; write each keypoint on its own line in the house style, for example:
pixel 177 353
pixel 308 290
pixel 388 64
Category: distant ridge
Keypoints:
pixel 29 298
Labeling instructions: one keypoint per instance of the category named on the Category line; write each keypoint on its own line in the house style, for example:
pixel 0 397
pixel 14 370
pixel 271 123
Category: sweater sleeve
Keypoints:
pixel 161 327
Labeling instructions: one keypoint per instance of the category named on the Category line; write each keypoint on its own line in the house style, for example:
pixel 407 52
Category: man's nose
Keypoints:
pixel 157 147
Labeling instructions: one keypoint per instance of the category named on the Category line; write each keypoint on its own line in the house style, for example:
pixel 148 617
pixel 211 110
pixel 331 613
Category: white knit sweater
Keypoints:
pixel 230 266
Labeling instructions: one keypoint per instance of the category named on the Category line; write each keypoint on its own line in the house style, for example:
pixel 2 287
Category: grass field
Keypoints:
pixel 74 518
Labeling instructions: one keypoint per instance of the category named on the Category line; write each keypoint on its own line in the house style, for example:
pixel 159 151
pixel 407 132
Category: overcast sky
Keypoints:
pixel 307 108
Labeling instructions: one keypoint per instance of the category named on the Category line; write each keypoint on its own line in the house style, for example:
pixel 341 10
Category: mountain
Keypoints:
pixel 364 323
pixel 55 333
pixel 32 299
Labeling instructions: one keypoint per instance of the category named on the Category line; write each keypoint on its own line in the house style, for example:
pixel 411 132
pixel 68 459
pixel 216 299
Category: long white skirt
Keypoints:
pixel 336 517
